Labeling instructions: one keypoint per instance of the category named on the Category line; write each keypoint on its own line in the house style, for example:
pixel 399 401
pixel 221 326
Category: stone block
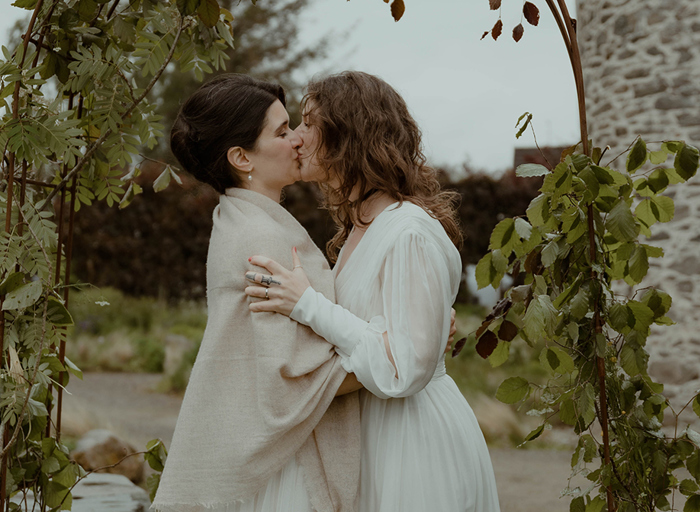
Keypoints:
pixel 99 448
pixel 688 265
pixel 673 102
pixel 673 370
pixel 648 88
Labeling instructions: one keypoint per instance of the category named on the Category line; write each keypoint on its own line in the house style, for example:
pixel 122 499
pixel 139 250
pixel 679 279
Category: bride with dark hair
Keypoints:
pixel 396 277
pixel 260 428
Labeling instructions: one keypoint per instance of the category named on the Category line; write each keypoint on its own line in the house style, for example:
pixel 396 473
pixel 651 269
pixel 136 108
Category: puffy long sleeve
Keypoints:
pixel 416 295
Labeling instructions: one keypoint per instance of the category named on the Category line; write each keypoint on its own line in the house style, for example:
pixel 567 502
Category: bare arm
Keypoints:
pixel 349 385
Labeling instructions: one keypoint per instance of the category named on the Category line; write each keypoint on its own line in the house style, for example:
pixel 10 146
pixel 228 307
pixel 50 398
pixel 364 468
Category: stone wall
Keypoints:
pixel 641 61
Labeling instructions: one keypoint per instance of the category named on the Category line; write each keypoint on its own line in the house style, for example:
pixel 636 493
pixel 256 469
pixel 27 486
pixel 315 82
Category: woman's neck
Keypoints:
pixel 273 193
pixel 373 206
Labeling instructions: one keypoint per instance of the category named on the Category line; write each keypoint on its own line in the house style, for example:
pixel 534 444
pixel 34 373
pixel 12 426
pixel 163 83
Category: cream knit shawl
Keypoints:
pixel 262 388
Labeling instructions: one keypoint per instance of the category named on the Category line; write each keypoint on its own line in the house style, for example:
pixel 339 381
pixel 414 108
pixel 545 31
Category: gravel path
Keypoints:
pixel 528 480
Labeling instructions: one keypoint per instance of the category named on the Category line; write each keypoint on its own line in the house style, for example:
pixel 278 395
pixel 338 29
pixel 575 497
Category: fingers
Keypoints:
pixel 258 292
pixel 295 258
pixel 270 265
pixel 454 314
pixel 262 279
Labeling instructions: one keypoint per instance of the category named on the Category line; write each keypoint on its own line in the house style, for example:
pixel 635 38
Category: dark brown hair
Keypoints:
pixel 369 141
pixel 225 112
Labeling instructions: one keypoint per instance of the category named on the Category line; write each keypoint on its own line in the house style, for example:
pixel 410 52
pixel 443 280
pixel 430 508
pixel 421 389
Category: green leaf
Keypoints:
pixel 633 359
pixel 539 317
pixel 72 368
pixel 513 390
pixel 538 210
pixel 50 465
pixel 152 482
pixel 500 354
pixel 638 264
pixel 693 504
pixel 658 180
pixel 527 117
pixel 658 208
pixel 25 4
pixel 586 405
pixel 693 465
pixel 86 9
pixel 686 162
pixel 567 412
pixel 658 157
pixel 503 236
pixel 620 222
pixel 688 487
pixel 531 170
pixel 162 181
pixel 23 297
pixel 597 504
pixel 208 12
pixel 483 271
pixel 566 363
pixel 58 314
pixel 11 282
pixel 696 405
pixel 523 228
pixel 577 505
pixel 637 156
pixel 533 435
pixel 641 315
pixel 618 317
pixel 550 253
pixel 187 7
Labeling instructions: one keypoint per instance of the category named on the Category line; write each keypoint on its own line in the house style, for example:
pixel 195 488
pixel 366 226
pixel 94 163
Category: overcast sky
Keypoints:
pixel 466 94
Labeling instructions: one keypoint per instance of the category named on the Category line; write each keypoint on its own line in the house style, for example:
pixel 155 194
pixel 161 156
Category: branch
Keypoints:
pixel 95 146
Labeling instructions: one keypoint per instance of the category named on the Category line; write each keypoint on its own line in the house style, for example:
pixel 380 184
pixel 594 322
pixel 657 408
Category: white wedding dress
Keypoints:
pixel 422 449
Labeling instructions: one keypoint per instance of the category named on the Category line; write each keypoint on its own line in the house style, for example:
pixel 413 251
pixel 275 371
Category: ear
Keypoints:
pixel 238 158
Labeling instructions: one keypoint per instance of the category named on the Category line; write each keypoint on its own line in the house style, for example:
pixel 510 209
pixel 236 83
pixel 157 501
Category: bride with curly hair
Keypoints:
pixel 397 272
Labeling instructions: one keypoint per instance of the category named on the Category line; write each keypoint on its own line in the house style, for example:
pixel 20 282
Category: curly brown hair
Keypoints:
pixel 370 143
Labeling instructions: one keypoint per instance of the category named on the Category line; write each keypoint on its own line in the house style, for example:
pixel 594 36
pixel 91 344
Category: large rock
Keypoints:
pixel 100 448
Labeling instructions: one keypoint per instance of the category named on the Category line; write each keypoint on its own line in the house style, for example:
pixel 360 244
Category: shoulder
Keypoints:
pixel 408 220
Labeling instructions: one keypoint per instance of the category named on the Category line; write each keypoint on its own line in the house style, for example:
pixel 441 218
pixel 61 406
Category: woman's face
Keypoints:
pixel 309 132
pixel 275 159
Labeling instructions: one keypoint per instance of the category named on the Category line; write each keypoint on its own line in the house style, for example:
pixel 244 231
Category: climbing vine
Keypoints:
pixel 74 97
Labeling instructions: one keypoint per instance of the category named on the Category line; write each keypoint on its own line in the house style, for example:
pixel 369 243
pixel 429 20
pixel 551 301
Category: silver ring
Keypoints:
pixel 266 295
pixel 297 266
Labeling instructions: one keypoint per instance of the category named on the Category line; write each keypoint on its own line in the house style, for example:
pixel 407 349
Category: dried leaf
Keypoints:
pixel 458 347
pixel 485 325
pixel 518 32
pixel 486 344
pixel 397 9
pixel 495 4
pixel 485 34
pixel 532 13
pixel 497 30
pixel 507 331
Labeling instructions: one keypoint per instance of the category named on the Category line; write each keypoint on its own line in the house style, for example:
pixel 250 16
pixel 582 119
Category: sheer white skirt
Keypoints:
pixel 285 492
pixel 425 452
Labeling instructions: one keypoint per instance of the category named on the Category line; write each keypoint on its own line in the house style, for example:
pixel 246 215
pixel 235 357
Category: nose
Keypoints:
pixel 295 140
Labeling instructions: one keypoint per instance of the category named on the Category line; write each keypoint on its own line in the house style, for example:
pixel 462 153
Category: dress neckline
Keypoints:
pixel 349 259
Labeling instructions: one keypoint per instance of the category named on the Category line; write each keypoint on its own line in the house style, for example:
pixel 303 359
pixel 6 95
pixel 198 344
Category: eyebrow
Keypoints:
pixel 281 126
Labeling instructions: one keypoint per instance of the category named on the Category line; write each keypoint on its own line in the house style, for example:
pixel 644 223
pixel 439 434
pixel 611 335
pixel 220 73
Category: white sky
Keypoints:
pixel 466 94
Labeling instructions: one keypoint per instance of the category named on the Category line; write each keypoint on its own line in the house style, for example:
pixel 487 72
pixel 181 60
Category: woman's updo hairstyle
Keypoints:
pixel 227 111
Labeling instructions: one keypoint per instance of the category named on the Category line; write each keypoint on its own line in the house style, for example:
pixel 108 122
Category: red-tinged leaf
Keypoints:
pixel 532 13
pixel 397 9
pixel 484 326
pixel 497 30
pixel 486 344
pixel 386 1
pixel 485 34
pixel 518 32
pixel 458 347
pixel 507 331
pixel 495 4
